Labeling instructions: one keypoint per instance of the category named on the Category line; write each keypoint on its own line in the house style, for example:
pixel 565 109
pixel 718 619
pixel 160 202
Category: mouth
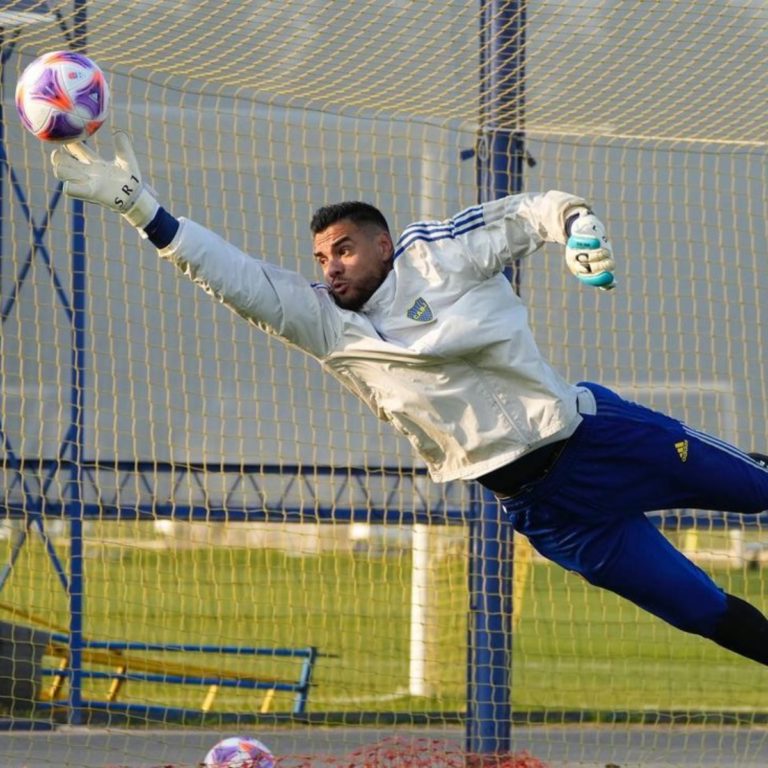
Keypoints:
pixel 338 288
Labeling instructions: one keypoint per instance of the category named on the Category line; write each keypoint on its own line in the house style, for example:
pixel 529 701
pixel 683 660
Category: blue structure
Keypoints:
pixel 75 309
pixel 500 156
pixel 188 675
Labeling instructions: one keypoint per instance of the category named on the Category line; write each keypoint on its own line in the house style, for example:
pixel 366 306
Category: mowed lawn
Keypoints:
pixel 575 647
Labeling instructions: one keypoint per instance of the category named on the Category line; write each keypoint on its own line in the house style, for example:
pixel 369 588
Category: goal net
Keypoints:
pixel 199 528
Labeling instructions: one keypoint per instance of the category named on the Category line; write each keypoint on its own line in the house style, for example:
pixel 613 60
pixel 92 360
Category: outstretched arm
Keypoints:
pixel 278 301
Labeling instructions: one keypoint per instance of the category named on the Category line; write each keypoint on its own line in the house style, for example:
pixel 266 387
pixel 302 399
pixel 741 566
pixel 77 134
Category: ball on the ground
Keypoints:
pixel 62 96
pixel 239 752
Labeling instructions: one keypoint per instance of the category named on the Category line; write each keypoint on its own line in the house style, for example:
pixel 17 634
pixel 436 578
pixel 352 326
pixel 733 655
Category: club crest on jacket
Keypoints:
pixel 420 311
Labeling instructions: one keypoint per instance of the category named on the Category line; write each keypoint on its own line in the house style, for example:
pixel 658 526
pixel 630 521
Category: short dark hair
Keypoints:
pixel 357 212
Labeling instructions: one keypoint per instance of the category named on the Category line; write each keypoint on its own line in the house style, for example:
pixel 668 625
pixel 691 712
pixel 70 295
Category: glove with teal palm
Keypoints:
pixel 588 253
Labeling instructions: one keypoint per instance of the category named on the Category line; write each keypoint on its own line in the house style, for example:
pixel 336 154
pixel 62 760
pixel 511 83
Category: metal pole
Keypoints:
pixel 489 709
pixel 77 414
pixel 500 156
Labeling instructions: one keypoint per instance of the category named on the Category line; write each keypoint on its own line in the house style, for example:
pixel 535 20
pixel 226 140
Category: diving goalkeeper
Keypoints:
pixel 427 331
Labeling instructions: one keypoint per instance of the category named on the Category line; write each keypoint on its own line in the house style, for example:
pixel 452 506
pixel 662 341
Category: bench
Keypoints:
pixel 125 661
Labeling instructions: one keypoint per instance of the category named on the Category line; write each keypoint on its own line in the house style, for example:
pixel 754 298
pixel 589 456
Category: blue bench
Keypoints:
pixel 126 665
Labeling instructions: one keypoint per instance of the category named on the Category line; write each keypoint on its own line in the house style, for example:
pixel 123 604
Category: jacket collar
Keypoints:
pixel 383 296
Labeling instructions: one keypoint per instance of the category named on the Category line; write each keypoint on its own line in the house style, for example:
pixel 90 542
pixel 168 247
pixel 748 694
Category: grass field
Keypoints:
pixel 575 648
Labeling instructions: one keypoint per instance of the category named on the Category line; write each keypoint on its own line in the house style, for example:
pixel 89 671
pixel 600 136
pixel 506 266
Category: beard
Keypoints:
pixel 355 294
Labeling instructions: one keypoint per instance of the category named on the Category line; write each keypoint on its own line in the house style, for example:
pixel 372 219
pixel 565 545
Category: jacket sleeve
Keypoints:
pixel 278 301
pixel 517 225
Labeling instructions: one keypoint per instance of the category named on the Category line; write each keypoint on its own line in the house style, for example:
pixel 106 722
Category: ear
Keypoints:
pixel 386 246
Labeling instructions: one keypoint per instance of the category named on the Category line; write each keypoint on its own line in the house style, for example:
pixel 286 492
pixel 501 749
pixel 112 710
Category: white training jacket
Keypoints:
pixel 442 350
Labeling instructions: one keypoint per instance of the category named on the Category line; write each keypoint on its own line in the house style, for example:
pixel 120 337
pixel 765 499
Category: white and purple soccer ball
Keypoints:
pixel 239 752
pixel 62 96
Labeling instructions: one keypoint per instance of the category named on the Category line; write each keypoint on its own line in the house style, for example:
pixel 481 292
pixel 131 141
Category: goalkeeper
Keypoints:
pixel 427 331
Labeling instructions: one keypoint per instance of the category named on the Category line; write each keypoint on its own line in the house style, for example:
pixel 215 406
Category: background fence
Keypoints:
pixel 209 488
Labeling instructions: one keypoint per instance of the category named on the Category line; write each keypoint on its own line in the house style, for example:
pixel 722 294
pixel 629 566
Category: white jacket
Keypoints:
pixel 442 350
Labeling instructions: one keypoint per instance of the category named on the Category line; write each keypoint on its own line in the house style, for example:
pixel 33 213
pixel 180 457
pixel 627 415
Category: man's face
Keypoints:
pixel 354 259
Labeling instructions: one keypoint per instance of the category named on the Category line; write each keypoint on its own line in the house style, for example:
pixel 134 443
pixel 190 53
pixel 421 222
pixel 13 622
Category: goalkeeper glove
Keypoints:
pixel 115 184
pixel 588 253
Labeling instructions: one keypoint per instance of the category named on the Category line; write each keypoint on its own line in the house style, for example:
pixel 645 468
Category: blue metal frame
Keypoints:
pixel 72 445
pixel 301 687
pixel 9 176
pixel 77 415
pixel 500 156
pixel 298 498
pixel 489 642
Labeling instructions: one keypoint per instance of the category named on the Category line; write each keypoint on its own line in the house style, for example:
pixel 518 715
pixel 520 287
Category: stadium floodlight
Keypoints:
pixel 23 13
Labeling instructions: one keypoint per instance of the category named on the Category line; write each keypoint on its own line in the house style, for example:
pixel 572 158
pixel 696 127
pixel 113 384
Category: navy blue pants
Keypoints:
pixel 587 512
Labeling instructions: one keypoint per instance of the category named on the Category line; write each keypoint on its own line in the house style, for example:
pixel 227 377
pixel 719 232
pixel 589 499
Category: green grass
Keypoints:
pixel 575 647
pixel 587 649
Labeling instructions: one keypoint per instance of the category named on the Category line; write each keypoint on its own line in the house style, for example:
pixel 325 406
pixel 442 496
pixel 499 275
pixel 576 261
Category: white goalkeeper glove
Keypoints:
pixel 115 184
pixel 588 253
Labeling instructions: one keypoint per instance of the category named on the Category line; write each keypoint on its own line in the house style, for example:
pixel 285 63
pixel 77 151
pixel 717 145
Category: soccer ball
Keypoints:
pixel 62 96
pixel 239 752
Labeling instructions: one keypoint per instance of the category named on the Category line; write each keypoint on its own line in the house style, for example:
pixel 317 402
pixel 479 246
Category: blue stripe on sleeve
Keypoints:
pixel 430 231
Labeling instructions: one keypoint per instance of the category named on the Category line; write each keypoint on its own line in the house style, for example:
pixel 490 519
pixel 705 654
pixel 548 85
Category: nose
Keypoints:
pixel 334 267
